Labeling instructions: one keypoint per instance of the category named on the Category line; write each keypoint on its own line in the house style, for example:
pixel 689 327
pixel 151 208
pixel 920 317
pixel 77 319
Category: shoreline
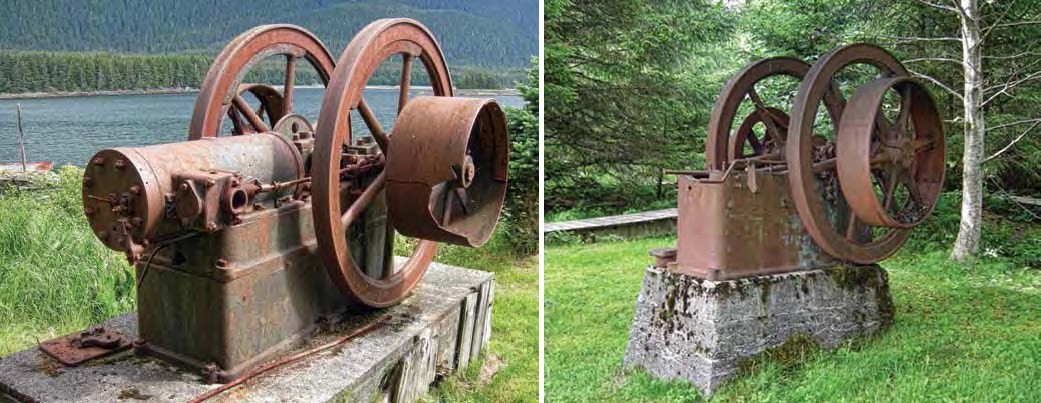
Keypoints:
pixel 169 91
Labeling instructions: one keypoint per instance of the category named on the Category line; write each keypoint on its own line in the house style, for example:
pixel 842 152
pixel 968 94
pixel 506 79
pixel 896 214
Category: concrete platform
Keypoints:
pixel 437 331
pixel 702 331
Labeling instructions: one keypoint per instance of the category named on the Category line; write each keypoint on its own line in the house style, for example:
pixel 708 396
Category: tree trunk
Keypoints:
pixel 968 241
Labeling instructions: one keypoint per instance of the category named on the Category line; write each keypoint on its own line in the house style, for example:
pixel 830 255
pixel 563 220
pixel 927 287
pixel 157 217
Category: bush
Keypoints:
pixel 1012 236
pixel 520 224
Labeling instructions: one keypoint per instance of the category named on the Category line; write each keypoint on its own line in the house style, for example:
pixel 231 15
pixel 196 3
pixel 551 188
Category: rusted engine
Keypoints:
pixel 243 243
pixel 839 172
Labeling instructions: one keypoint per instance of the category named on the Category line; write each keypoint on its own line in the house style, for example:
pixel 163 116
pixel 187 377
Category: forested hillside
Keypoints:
pixel 486 33
pixel 71 46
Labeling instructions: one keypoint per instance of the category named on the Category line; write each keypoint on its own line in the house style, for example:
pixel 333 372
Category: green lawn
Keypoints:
pixel 960 334
pixel 57 278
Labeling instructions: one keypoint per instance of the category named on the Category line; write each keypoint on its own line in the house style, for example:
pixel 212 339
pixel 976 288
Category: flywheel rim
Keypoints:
pixel 724 111
pixel 806 195
pixel 918 166
pixel 374 44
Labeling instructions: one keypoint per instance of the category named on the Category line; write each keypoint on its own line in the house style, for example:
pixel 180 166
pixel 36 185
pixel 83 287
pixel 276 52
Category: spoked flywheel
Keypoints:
pixel 834 196
pixel 891 178
pixel 222 94
pixel 352 190
pixel 748 142
pixel 721 145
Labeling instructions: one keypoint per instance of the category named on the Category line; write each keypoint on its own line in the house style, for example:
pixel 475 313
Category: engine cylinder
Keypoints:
pixel 132 195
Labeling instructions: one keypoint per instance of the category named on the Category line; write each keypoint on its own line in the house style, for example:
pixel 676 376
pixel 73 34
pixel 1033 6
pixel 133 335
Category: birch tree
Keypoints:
pixel 1021 66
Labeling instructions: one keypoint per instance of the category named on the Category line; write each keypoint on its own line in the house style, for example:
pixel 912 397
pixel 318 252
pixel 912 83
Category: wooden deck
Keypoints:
pixel 627 226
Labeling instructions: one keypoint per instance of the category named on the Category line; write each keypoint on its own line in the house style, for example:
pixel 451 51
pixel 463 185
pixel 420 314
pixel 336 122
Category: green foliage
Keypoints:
pixel 41 71
pixel 56 277
pixel 74 72
pixel 957 333
pixel 628 85
pixel 477 79
pixel 521 212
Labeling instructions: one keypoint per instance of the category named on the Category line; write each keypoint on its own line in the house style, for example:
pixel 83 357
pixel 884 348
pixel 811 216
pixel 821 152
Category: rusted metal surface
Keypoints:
pixel 907 160
pixel 740 225
pixel 376 43
pixel 785 192
pixel 133 196
pixel 244 244
pixel 448 187
pixel 77 348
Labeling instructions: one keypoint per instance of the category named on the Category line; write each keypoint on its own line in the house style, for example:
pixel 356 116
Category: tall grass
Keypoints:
pixel 55 277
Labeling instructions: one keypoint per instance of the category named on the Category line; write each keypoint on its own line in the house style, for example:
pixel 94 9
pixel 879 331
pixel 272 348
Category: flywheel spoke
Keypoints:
pixel 236 122
pixel 765 115
pixel 363 201
pixel 374 125
pixel 891 182
pixel 251 115
pixel 288 85
pixel 851 225
pixel 406 80
pixel 904 118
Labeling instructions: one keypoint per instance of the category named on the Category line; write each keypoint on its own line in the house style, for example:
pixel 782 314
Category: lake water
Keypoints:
pixel 69 130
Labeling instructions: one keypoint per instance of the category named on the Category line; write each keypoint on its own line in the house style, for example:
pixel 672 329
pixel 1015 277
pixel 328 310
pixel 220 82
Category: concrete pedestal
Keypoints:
pixel 437 331
pixel 703 331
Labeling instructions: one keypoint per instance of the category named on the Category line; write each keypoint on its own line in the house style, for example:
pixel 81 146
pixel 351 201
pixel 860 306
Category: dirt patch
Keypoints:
pixel 492 365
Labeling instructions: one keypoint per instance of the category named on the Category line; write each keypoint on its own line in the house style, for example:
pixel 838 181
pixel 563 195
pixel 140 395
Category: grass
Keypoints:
pixel 57 278
pixel 961 333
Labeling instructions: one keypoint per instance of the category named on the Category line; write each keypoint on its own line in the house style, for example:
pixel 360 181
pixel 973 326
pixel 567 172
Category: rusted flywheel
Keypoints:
pixel 221 93
pixel 768 143
pixel 824 209
pixel 376 282
pixel 905 164
pixel 718 152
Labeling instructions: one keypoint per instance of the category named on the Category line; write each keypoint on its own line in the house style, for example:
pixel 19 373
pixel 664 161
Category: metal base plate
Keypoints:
pixel 77 348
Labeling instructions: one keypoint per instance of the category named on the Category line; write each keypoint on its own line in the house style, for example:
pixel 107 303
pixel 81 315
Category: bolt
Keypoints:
pixel 120 164
pixel 211 226
pixel 101 234
pixel 135 189
pixel 222 263
pixel 88 211
pixel 87 181
pixel 185 186
pixel 98 161
pixel 210 182
pixel 234 183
